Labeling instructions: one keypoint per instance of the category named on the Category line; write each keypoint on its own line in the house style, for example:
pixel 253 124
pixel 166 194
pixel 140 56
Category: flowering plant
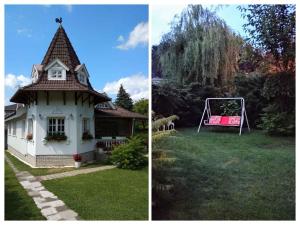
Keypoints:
pixel 77 157
pixel 29 136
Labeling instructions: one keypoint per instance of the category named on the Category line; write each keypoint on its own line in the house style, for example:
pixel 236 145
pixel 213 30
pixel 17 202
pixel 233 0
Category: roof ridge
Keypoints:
pixel 61 48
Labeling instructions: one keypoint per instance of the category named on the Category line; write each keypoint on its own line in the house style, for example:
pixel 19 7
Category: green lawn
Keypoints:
pixel 44 171
pixel 114 194
pixel 220 175
pixel 18 205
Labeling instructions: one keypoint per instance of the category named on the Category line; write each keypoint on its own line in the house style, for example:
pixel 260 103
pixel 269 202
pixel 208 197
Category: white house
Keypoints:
pixel 55 114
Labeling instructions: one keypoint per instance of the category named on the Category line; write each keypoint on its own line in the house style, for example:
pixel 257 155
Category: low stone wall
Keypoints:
pixel 29 159
pixel 51 160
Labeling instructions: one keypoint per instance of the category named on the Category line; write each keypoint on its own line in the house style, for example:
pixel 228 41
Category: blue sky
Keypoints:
pixel 110 40
pixel 162 15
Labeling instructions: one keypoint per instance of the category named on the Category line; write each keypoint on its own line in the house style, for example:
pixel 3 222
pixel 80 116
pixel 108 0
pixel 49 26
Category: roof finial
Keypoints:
pixel 58 20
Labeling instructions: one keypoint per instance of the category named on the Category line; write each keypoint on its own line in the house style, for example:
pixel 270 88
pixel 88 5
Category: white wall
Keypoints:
pixel 17 141
pixel 73 115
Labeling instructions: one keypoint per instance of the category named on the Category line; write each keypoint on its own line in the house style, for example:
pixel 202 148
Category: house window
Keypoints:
pixel 56 73
pixel 30 126
pixel 23 128
pixel 86 124
pixel 56 126
pixel 14 128
pixel 82 78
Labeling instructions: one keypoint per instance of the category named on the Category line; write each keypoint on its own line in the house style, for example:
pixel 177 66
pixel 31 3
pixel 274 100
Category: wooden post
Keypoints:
pixel 47 97
pixel 132 128
pixel 64 97
pixel 75 98
pixel 36 98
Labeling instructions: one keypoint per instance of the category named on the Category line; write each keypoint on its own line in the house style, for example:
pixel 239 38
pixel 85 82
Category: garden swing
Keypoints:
pixel 224 121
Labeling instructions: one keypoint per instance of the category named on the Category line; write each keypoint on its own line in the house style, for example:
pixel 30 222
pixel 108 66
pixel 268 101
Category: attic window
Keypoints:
pixel 56 73
pixel 81 78
pixel 56 70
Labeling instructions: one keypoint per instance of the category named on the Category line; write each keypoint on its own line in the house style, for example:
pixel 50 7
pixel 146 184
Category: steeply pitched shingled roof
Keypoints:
pixel 62 49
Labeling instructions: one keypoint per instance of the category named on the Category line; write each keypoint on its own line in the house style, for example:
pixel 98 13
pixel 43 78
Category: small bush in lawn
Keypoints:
pixel 129 155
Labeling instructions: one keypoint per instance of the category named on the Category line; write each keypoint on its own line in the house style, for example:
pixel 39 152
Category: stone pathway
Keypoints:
pixel 73 173
pixel 51 207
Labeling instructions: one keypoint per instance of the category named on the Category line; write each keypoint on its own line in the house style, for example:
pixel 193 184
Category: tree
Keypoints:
pixel 199 48
pixel 123 99
pixel 272 28
pixel 141 106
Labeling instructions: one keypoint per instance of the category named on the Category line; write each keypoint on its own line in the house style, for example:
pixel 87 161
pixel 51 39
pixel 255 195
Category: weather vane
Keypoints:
pixel 58 20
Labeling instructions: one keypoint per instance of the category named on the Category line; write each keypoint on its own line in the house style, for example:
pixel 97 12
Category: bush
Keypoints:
pixel 186 101
pixel 279 116
pixel 129 155
pixel 251 88
pixel 278 123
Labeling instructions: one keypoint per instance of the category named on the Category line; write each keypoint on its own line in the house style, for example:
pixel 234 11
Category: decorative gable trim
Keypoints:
pixel 58 62
pixel 34 74
pixel 82 68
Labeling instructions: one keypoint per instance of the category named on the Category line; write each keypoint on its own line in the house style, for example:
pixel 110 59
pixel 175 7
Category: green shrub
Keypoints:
pixel 129 155
pixel 279 116
pixel 230 108
pixel 276 122
pixel 251 88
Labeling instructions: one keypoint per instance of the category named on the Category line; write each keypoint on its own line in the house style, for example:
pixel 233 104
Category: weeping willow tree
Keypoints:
pixel 199 48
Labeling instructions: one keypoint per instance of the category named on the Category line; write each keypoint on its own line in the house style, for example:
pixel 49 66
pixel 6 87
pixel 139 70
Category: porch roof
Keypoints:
pixel 118 112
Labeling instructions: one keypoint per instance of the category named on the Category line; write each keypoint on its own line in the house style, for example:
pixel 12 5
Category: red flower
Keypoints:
pixel 77 157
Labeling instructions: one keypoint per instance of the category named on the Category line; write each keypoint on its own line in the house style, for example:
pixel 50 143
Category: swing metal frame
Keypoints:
pixel 243 115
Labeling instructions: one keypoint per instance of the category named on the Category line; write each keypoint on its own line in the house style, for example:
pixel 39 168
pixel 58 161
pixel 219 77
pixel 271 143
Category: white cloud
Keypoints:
pixel 136 85
pixel 139 35
pixel 162 16
pixel 14 81
pixel 25 32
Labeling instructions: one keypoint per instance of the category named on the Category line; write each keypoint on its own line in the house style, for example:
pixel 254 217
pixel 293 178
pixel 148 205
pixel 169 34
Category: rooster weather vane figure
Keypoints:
pixel 58 20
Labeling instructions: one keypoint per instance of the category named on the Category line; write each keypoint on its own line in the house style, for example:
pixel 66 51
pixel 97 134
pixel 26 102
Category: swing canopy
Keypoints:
pixel 225 121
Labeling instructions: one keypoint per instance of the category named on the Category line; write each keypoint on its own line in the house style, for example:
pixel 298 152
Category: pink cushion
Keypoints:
pixel 215 120
pixel 224 120
pixel 234 120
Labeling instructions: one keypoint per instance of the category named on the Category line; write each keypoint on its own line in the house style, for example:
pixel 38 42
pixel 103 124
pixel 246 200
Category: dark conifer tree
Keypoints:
pixel 123 99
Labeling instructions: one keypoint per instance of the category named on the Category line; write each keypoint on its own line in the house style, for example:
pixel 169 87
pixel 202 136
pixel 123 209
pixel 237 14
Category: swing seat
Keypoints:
pixel 230 121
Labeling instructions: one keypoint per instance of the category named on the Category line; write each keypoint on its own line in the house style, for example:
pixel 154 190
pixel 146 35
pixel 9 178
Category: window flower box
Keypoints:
pixel 87 136
pixel 29 136
pixel 56 137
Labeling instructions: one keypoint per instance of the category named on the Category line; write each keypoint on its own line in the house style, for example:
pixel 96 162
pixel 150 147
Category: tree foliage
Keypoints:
pixel 141 106
pixel 199 48
pixel 123 99
pixel 272 28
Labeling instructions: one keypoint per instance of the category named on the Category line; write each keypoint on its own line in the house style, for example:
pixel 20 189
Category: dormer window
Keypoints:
pixel 56 70
pixel 82 74
pixel 81 78
pixel 56 73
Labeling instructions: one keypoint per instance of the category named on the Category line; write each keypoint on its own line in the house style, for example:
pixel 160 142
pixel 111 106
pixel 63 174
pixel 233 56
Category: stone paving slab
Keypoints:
pixel 51 207
pixel 74 173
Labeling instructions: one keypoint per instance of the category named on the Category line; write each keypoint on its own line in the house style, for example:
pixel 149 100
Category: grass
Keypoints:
pixel 221 176
pixel 18 205
pixel 114 194
pixel 44 171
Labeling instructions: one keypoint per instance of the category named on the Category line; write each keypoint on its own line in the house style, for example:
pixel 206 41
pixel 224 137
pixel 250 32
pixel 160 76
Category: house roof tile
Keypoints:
pixel 62 49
